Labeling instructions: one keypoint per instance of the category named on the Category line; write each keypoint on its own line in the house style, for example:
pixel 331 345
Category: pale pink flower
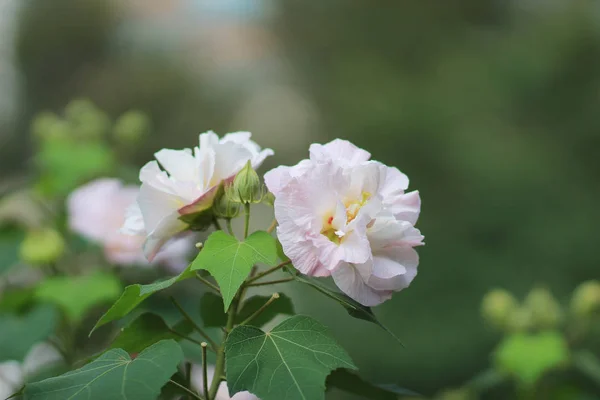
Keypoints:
pixel 97 211
pixel 187 184
pixel 342 215
pixel 223 392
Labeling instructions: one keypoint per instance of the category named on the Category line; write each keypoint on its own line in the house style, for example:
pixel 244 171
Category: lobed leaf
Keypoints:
pixel 290 362
pixel 134 295
pixel 113 375
pixel 230 261
pixel 146 330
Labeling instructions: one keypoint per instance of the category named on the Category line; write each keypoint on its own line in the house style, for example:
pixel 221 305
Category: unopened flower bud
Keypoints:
pixel 42 246
pixel 224 206
pixel 498 306
pixel 88 121
pixel 545 310
pixel 246 186
pixel 586 299
pixel 131 127
pixel 269 199
pixel 520 320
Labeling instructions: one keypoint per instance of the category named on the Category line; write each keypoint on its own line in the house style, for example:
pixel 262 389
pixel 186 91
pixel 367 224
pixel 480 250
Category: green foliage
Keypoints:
pixel 146 330
pixel 291 361
pixel 134 295
pixel 211 309
pixel 9 248
pixel 229 261
pixel 76 295
pixel 354 308
pixel 65 163
pixel 42 246
pixel 114 375
pixel 352 383
pixel 19 333
pixel 131 127
pixel 529 356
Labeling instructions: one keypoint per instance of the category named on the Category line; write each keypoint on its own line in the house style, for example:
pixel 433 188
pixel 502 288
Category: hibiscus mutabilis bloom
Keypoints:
pixel 345 216
pixel 187 184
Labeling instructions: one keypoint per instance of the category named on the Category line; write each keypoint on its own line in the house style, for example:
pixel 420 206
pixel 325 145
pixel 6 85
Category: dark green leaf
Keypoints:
pixel 352 383
pixel 354 308
pixel 146 330
pixel 16 299
pixel 114 375
pixel 135 294
pixel 19 333
pixel 290 362
pixel 229 261
pixel 211 309
pixel 10 240
pixel 76 295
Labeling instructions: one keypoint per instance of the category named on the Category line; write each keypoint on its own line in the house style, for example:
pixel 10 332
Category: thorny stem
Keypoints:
pixel 205 371
pixel 207 283
pixel 274 297
pixel 188 391
pixel 267 272
pixel 271 282
pixel 194 324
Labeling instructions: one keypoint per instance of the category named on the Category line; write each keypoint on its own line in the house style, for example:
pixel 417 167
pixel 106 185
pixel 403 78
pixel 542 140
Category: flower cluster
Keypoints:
pixel 345 216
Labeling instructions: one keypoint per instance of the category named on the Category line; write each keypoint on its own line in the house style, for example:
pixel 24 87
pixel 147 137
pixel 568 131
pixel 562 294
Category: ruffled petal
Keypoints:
pixel 350 281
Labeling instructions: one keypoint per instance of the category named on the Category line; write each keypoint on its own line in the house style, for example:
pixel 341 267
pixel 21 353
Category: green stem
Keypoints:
pixel 188 391
pixel 274 297
pixel 217 224
pixel 247 219
pixel 220 364
pixel 207 283
pixel 205 371
pixel 272 227
pixel 174 332
pixel 271 282
pixel 194 324
pixel 229 226
pixel 188 375
pixel 267 272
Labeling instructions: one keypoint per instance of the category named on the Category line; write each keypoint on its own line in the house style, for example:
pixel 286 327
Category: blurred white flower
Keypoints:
pixel 97 211
pixel 13 374
pixel 187 185
pixel 223 392
pixel 342 215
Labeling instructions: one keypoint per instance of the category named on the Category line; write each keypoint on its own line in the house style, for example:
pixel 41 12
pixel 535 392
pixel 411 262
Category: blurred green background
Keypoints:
pixel 490 107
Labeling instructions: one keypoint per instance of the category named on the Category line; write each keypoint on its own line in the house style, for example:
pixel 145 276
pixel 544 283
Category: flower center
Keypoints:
pixel 352 208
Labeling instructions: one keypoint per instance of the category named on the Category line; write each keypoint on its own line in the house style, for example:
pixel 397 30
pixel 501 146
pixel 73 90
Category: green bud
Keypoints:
pixel 545 310
pixel 520 320
pixel 42 246
pixel 497 307
pixel 78 108
pixel 246 187
pixel 586 299
pixel 42 124
pixel 131 127
pixel 224 206
pixel 88 121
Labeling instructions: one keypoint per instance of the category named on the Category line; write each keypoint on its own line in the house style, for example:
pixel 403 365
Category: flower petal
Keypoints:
pixel 350 281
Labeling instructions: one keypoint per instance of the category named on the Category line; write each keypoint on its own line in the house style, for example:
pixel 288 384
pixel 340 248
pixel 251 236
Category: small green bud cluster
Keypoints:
pixel 539 311
pixel 585 301
pixel 246 187
pixel 42 246
pixel 224 206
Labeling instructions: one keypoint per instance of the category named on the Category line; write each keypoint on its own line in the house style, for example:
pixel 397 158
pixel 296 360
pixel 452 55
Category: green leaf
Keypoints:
pixel 354 308
pixel 76 295
pixel 352 383
pixel 114 375
pixel 529 356
pixel 211 309
pixel 146 330
pixel 16 299
pixel 19 333
pixel 10 240
pixel 229 261
pixel 134 295
pixel 290 362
